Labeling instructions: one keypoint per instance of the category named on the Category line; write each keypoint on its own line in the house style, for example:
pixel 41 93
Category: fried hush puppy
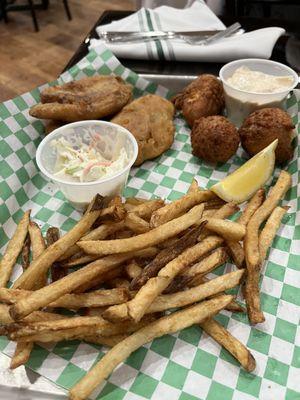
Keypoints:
pixel 214 139
pixel 150 120
pixel 262 127
pixel 88 98
pixel 201 98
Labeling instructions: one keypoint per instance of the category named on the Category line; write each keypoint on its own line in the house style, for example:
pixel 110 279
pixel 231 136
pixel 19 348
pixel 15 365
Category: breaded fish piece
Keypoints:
pixel 88 98
pixel 150 120
pixel 51 125
pixel 201 98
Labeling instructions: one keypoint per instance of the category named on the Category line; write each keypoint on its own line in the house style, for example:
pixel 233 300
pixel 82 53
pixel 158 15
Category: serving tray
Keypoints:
pixel 187 365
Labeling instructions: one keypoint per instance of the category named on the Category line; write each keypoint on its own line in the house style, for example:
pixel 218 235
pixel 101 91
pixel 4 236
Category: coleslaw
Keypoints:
pixel 85 163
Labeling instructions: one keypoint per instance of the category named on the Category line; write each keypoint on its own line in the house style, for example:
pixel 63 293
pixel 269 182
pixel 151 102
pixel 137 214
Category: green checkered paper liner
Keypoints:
pixel 187 365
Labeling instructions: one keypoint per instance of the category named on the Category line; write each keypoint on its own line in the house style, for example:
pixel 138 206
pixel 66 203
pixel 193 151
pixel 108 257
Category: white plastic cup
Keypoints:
pixel 79 194
pixel 239 103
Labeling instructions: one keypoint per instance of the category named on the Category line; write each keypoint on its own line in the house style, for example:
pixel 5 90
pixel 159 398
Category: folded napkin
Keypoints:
pixel 254 44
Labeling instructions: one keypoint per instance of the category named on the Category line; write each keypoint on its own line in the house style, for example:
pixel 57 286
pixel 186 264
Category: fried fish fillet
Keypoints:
pixel 201 98
pixel 88 98
pixel 51 125
pixel 150 120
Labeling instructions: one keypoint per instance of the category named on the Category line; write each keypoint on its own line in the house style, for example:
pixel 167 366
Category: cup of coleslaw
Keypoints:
pixel 87 157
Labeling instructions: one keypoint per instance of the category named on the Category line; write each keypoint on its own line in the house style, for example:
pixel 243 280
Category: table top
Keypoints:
pixel 286 50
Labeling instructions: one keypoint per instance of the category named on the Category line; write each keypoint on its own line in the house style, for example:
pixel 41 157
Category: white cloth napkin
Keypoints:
pixel 255 44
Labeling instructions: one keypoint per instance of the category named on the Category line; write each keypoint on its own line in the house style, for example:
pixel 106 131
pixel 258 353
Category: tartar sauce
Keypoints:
pixel 257 82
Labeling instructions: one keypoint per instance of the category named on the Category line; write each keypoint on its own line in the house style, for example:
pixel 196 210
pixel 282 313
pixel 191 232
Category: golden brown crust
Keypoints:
pixel 201 98
pixel 262 127
pixel 214 139
pixel 88 98
pixel 150 120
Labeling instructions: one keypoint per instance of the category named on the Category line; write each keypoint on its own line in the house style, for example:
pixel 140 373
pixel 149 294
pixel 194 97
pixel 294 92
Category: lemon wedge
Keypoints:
pixel 246 180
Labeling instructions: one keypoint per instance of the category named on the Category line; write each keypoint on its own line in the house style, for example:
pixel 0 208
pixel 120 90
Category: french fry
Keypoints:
pixel 234 306
pixel 251 246
pixel 25 253
pixel 208 214
pixel 235 248
pixel 136 223
pixel 119 283
pixel 99 280
pixel 269 231
pixel 41 265
pixel 97 311
pixel 57 270
pixel 147 239
pixel 236 252
pixel 109 341
pixel 13 249
pixel 21 354
pixel 133 270
pixel 201 268
pixel 102 232
pixel 37 241
pixel 254 203
pixel 165 325
pixel 115 211
pixel 122 234
pixel 137 307
pixel 81 259
pixel 44 296
pixel 115 272
pixel 227 229
pixel 19 330
pixel 179 207
pixel 146 209
pixel 194 186
pixel 213 204
pixel 135 201
pixel 230 343
pixel 104 328
pixel 23 350
pixel 72 301
pixel 5 317
pixel 184 298
pixel 168 254
pixel 38 247
pixel 225 211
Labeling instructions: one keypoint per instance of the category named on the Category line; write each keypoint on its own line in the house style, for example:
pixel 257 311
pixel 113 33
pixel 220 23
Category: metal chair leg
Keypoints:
pixel 3 5
pixel 45 4
pixel 32 10
pixel 67 8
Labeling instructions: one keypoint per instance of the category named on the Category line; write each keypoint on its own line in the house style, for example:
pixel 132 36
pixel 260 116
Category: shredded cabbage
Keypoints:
pixel 85 163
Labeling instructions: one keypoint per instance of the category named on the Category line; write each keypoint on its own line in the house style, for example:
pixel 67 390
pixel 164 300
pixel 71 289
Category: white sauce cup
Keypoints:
pixel 240 103
pixel 79 194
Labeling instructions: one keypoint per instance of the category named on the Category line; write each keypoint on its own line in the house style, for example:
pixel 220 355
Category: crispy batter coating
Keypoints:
pixel 150 120
pixel 201 98
pixel 214 139
pixel 88 98
pixel 262 127
pixel 51 125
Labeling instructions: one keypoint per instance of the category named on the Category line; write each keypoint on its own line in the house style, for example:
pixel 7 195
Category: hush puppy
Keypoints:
pixel 201 98
pixel 214 139
pixel 262 127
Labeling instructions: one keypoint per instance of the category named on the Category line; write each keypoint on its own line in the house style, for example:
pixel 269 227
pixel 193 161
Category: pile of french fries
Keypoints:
pixel 143 274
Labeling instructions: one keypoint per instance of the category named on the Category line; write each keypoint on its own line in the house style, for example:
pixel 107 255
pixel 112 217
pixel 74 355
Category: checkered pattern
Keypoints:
pixel 187 365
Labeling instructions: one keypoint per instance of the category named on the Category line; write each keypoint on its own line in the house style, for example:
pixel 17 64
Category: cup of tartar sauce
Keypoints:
pixel 250 84
pixel 88 157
